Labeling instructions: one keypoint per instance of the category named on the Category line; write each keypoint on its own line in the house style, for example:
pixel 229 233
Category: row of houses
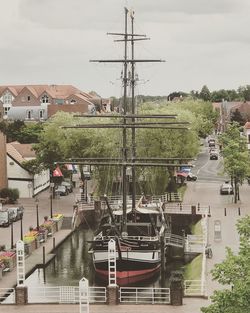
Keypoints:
pixel 40 102
pixel 37 103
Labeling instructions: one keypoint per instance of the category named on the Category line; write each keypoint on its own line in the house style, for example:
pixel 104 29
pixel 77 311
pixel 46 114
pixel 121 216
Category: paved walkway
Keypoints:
pixel 189 306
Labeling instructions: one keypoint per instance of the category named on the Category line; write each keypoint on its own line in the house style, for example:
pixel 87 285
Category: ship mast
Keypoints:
pixel 130 121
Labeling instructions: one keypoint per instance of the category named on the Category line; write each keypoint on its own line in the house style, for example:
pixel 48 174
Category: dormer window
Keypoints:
pixel 7 98
pixel 72 101
pixel 45 99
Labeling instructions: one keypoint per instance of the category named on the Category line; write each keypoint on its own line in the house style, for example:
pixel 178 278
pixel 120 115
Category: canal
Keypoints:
pixel 72 262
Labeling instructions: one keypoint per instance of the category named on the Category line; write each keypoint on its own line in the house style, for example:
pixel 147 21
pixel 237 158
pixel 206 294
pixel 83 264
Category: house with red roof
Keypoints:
pixel 18 176
pixel 39 102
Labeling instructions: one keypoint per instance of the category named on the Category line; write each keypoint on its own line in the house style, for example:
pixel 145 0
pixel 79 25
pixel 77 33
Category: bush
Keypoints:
pixel 10 194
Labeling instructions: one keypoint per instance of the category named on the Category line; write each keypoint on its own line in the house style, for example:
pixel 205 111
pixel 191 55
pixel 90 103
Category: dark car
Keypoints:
pixel 214 155
pixel 61 190
pixel 4 218
pixel 15 213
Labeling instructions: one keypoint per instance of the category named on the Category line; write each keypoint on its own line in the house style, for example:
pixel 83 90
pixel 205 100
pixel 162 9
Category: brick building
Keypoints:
pixel 39 102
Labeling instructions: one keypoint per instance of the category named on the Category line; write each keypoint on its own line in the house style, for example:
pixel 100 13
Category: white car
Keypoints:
pixel 226 188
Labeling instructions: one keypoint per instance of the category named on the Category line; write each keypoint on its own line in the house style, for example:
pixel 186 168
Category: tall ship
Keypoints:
pixel 137 224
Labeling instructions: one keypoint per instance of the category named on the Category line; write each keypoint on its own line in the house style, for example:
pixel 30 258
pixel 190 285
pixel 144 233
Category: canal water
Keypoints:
pixel 73 262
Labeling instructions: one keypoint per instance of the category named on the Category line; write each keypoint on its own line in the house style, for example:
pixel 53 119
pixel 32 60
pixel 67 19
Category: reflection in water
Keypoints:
pixel 72 262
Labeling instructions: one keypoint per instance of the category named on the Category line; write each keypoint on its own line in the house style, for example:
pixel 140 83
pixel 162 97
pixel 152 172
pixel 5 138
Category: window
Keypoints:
pixel 6 109
pixel 7 98
pixel 28 98
pixel 45 99
pixel 28 114
pixel 41 114
pixel 72 101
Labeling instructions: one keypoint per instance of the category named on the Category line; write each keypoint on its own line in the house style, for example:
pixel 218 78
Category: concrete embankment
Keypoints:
pixel 36 259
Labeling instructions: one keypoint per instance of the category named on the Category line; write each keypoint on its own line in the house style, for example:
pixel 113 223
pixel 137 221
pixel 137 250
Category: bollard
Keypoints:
pixel 239 211
pixel 43 256
pixel 54 243
pixel 209 211
pixel 225 211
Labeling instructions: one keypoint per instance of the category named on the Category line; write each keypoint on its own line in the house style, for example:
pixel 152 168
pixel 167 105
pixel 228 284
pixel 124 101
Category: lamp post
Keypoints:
pixel 21 228
pixel 37 214
pixel 51 198
pixel 11 236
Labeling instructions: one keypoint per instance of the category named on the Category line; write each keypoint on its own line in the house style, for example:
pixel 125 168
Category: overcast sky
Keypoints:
pixel 204 42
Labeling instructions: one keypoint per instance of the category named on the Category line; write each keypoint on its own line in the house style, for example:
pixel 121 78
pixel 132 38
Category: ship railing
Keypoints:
pixel 141 238
pixel 65 294
pixel 144 295
pixel 7 295
pixel 194 288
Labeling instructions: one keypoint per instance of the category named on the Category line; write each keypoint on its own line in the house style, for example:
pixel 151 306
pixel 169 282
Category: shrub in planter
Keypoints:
pixel 11 194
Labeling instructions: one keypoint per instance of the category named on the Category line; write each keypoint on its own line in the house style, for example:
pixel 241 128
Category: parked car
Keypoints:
pixel 214 154
pixel 15 213
pixel 4 218
pixel 87 175
pixel 226 188
pixel 68 185
pixel 191 176
pixel 61 190
pixel 211 142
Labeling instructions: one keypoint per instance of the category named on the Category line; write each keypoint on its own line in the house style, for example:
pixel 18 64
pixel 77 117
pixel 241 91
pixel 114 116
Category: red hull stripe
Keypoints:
pixel 126 277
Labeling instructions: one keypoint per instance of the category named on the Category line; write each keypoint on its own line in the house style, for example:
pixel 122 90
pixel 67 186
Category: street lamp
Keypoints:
pixel 21 228
pixel 51 198
pixel 11 236
pixel 37 214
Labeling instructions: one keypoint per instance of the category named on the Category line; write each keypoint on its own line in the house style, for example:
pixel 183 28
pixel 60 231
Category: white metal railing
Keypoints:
pixel 194 288
pixel 174 240
pixel 65 294
pixel 194 243
pixel 144 295
pixel 7 295
pixel 141 238
pixel 177 208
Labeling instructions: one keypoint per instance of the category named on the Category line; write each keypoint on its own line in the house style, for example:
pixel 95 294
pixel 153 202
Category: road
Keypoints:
pixel 206 191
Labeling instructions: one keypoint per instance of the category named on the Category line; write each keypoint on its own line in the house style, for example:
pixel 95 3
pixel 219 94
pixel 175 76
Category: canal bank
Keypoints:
pixel 40 256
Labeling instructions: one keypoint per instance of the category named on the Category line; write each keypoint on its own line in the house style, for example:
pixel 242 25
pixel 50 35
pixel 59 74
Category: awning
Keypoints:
pixel 182 174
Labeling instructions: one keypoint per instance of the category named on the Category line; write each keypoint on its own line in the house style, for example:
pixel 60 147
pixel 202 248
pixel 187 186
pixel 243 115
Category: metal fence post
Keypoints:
pixel 84 295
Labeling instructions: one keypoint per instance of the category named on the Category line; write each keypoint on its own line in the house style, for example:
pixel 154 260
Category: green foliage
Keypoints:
pixel 235 156
pixel 11 194
pixel 205 94
pixel 244 92
pixel 21 132
pixel 236 116
pixel 234 274
pixel 193 269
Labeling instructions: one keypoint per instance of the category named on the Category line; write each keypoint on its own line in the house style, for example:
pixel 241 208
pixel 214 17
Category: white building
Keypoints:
pixel 247 133
pixel 26 182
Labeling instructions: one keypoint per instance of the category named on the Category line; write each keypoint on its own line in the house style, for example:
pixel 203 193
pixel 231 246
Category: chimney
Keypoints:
pixel 3 162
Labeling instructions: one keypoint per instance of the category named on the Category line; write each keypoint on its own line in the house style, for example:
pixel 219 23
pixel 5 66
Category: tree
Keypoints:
pixel 236 116
pixel 244 92
pixel 234 274
pixel 205 93
pixel 236 157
